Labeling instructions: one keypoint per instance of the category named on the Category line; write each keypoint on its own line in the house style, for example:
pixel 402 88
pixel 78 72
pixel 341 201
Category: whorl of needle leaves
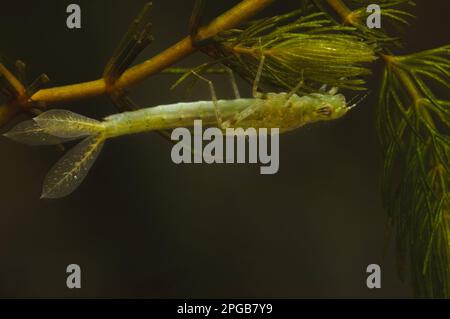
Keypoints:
pixel 414 122
pixel 311 47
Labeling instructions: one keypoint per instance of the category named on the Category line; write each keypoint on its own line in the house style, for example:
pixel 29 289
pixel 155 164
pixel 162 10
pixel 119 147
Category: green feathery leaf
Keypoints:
pixel 413 123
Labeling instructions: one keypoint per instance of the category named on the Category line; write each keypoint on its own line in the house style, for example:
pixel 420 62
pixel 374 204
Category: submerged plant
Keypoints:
pixel 321 43
pixel 414 123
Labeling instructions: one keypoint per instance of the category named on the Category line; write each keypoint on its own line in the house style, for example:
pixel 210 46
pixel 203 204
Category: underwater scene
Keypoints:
pixel 252 149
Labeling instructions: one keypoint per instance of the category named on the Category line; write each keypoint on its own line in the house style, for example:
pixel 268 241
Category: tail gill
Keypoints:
pixel 59 126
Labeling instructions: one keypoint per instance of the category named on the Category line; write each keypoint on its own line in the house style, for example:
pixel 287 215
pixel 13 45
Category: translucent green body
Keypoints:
pixel 274 110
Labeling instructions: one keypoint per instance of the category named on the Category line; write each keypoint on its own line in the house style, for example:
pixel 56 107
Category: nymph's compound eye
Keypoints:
pixel 325 111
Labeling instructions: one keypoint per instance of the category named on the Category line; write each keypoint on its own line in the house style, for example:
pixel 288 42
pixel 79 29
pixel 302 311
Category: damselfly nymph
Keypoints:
pixel 285 111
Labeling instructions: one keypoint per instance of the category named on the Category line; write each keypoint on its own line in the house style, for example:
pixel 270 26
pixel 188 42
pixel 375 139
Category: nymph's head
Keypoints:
pixel 328 107
pixel 319 107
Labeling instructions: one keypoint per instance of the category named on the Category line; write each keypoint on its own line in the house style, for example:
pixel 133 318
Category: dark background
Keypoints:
pixel 141 226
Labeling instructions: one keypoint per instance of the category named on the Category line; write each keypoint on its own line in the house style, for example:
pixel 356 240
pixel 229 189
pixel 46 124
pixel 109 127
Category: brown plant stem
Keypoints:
pixel 12 80
pixel 348 16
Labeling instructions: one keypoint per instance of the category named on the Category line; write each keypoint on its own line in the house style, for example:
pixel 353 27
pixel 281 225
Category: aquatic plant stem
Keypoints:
pixel 406 80
pixel 134 75
pixel 348 16
pixel 9 110
pixel 12 80
pixel 408 83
